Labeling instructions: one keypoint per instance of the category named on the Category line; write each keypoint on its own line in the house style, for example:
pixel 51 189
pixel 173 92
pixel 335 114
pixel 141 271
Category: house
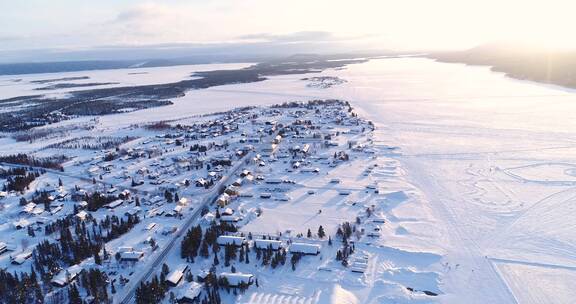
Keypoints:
pixel 21 258
pixel 229 218
pixel 22 223
pixel 177 275
pixel 190 293
pixel 265 195
pixel 82 215
pixel 201 182
pixel 28 208
pixel 223 200
pixel 304 248
pixel 208 217
pixel 66 276
pixel 236 279
pixel 114 204
pixel 183 201
pixel 265 244
pixel 131 256
pixel 56 210
pixel 230 240
pixel 231 190
pixel 83 204
pixel 3 247
pixel 274 181
pixel 177 209
pixel 133 211
pixel 237 182
pixel 227 211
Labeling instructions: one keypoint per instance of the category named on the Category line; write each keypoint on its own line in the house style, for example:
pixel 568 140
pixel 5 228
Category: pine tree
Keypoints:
pixel 321 233
pixel 309 234
pixel 74 295
pixel 97 258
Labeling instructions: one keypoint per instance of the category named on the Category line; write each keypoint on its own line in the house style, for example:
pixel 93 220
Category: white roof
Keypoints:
pixel 230 240
pixel 190 290
pixel 305 248
pixel 22 223
pixel 82 214
pixel 229 218
pixel 125 249
pixel 115 203
pixel 175 276
pixel 235 279
pixel 62 277
pixel 264 244
pixel 132 255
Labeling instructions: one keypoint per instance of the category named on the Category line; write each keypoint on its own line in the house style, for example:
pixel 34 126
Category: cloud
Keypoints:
pixel 303 36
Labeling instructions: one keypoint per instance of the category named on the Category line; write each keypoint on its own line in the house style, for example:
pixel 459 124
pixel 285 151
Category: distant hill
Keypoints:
pixel 521 62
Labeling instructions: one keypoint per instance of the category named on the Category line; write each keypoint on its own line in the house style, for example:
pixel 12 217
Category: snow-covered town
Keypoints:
pixel 207 209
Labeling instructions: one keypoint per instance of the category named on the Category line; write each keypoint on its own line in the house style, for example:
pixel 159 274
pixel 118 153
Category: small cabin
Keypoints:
pixel 21 258
pixel 176 276
pixel 190 293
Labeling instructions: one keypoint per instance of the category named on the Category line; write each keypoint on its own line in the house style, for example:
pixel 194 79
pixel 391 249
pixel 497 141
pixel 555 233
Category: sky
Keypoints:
pixel 377 24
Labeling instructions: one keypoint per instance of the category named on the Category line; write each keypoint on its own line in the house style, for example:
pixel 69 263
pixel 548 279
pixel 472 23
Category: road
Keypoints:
pixel 129 291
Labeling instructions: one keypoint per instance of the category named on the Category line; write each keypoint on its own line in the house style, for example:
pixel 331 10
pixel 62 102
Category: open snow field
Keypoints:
pixel 487 165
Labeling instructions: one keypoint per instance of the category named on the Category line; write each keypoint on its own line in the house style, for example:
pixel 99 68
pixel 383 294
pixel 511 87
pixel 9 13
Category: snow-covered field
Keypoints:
pixel 487 163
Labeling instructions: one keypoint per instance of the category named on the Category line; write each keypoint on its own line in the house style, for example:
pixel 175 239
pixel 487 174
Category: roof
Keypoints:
pixel 264 244
pixel 61 278
pixel 237 278
pixel 22 223
pixel 305 248
pixel 82 214
pixel 190 291
pixel 176 275
pixel 132 255
pixel 115 203
pixel 230 240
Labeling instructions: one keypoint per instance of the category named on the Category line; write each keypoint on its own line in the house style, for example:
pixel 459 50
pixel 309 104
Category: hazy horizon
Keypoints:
pixel 31 30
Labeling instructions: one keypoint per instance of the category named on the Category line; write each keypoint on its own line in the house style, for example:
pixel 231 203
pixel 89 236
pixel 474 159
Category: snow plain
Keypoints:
pixel 488 160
